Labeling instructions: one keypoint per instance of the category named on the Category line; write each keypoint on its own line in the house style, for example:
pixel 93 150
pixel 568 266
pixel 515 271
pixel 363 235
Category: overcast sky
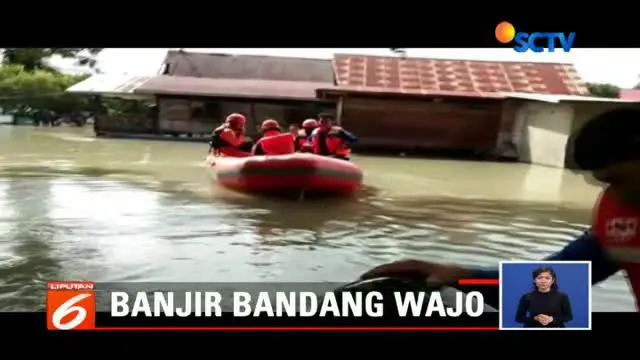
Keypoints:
pixel 620 67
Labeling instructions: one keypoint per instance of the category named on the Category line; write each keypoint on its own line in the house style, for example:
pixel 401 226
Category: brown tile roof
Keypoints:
pixel 227 66
pixel 454 77
pixel 183 85
pixel 385 91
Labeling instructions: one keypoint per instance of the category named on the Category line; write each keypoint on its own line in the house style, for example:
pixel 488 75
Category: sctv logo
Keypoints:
pixel 536 42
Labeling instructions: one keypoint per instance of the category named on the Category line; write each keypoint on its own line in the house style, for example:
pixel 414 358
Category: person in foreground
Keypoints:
pixel 228 139
pixel 330 140
pixel 545 306
pixel 609 146
pixel 273 140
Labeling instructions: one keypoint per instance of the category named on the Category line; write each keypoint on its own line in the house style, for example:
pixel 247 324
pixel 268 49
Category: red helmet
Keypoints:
pixel 310 124
pixel 270 124
pixel 236 119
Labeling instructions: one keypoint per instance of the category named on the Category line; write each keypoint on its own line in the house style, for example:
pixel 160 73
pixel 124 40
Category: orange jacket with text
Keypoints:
pixel 617 229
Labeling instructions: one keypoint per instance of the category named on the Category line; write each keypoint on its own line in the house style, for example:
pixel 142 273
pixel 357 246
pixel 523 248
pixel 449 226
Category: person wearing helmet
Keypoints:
pixel 294 128
pixel 302 136
pixel 273 141
pixel 609 147
pixel 228 139
pixel 330 140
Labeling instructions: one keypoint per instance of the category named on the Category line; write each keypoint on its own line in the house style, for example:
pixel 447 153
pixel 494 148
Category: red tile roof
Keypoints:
pixel 386 91
pixel 454 77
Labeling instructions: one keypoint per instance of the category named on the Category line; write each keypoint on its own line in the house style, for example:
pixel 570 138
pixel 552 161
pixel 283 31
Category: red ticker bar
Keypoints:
pixel 302 328
pixel 478 282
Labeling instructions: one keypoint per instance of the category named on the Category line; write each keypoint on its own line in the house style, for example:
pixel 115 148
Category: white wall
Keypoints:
pixel 542 131
pixel 6 119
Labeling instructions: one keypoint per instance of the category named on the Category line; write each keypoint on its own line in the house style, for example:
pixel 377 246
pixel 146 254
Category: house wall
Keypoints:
pixel 196 117
pixel 202 115
pixel 423 124
pixel 130 124
pixel 507 133
pixel 543 132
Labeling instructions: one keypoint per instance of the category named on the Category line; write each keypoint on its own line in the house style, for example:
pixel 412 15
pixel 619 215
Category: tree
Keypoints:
pixel 402 52
pixel 28 92
pixel 637 87
pixel 22 90
pixel 36 58
pixel 604 90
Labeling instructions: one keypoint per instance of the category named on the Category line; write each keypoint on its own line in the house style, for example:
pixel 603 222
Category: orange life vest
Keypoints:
pixel 277 144
pixel 617 228
pixel 302 140
pixel 333 142
pixel 225 141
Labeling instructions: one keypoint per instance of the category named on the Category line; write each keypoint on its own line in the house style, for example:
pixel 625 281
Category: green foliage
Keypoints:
pixel 23 92
pixel 36 58
pixel 21 89
pixel 28 84
pixel 603 90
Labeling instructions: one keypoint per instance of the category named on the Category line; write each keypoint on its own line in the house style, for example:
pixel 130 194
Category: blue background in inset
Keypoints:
pixel 573 280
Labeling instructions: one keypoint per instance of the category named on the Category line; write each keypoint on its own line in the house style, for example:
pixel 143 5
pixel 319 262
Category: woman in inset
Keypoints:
pixel 545 306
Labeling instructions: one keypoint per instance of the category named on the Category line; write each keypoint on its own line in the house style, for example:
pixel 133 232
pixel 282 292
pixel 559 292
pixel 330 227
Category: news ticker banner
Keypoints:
pixel 263 306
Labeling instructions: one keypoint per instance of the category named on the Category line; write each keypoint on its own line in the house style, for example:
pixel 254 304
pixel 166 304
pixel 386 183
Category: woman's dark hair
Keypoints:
pixel 545 269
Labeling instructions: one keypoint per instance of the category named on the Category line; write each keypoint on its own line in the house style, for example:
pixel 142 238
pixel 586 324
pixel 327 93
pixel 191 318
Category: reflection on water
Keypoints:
pixel 123 210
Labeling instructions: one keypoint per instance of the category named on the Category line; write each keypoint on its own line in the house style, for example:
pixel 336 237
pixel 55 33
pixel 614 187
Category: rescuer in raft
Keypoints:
pixel 273 140
pixel 294 128
pixel 228 139
pixel 609 146
pixel 302 136
pixel 330 140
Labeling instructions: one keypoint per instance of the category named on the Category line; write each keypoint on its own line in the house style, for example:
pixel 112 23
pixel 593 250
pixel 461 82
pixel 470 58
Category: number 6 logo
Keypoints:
pixel 71 305
pixel 68 308
pixel 82 315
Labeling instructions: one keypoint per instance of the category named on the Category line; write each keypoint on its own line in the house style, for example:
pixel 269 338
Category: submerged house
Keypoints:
pixel 522 111
pixel 196 91
pixel 415 103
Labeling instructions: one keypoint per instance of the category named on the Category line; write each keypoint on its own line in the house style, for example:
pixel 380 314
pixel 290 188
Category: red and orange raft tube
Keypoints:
pixel 299 172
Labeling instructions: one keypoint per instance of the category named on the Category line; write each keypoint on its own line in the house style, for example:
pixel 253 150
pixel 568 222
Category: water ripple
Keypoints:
pixel 110 230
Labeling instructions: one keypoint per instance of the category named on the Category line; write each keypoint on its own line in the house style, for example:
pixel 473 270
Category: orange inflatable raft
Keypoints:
pixel 297 172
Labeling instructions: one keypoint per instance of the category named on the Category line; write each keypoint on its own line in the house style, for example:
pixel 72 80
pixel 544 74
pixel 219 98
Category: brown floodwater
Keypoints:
pixel 76 207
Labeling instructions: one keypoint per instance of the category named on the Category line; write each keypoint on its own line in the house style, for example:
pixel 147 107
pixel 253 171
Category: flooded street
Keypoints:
pixel 75 207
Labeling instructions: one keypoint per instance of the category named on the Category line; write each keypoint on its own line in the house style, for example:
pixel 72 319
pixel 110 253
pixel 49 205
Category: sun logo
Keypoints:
pixel 505 32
